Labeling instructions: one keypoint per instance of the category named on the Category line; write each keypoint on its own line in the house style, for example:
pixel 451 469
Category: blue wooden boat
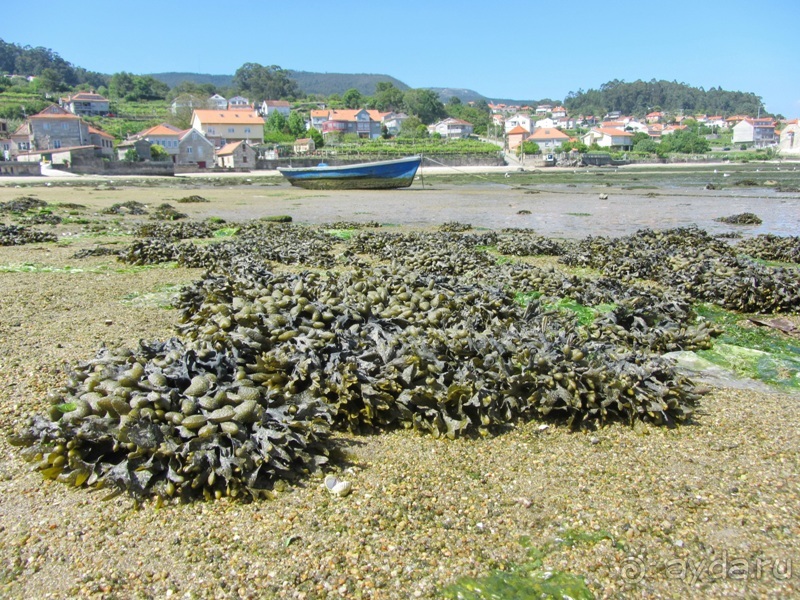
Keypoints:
pixel 386 174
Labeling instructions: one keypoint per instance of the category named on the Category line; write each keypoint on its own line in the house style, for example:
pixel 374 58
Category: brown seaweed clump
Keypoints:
pixel 741 219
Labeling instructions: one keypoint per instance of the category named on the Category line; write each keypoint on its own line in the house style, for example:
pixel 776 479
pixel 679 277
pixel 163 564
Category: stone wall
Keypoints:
pixel 101 167
pixel 15 169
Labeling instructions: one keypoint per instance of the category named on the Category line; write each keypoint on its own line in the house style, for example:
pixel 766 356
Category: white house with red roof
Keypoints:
pixel 270 106
pixel 86 104
pixel 559 111
pixel 547 139
pixel 609 137
pixel 452 128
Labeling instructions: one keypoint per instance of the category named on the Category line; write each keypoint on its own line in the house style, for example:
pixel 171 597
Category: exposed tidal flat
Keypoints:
pixel 705 509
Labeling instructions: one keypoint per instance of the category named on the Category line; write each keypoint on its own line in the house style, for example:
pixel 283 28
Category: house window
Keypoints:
pixel 211 131
pixel 56 143
pixel 189 150
pixel 46 126
pixel 247 130
pixel 231 130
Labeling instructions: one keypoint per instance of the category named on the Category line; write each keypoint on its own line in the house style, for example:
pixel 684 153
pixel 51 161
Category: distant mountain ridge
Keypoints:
pixel 325 84
pixel 309 82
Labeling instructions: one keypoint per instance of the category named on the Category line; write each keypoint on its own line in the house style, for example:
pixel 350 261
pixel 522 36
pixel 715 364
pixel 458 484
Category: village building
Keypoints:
pixel 194 149
pixel 54 128
pixel 519 120
pixel 393 122
pixel 85 104
pixel 185 146
pixel 452 128
pixel 103 141
pixel 236 155
pixel 225 126
pixel 515 137
pixel 217 102
pixel 270 106
pixel 141 146
pixel 609 137
pixel 361 122
pixel 239 103
pixel 547 139
pixel 304 146
pixel 759 132
pixel 545 123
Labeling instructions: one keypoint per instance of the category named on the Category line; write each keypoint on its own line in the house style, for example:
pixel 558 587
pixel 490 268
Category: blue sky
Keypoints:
pixel 518 50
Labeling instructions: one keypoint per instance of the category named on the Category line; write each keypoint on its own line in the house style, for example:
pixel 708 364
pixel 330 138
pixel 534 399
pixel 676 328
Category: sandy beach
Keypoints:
pixel 705 510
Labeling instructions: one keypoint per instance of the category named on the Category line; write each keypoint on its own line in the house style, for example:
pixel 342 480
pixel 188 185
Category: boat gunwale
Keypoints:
pixel 322 169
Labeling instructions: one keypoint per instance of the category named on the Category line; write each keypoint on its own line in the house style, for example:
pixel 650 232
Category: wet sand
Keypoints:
pixel 553 210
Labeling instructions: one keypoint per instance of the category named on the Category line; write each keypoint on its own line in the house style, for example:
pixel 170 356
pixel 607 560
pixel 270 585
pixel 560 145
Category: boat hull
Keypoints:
pixel 388 174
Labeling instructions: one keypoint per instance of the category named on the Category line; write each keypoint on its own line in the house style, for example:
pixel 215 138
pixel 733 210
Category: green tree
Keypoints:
pixel 157 152
pixel 352 98
pixel 276 122
pixel 387 97
pixel 528 148
pixel 121 85
pixel 315 135
pixel 131 155
pixel 268 83
pixel 413 127
pixel 424 104
pixel 50 81
pixel 647 146
pixel 685 142
pixel 576 145
pixel 296 125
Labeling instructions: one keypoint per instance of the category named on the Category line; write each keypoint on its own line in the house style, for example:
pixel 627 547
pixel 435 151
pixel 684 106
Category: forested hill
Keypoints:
pixel 173 79
pixel 642 97
pixel 326 84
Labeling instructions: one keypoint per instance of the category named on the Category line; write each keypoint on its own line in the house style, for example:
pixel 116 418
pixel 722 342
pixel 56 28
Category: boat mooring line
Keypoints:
pixel 476 175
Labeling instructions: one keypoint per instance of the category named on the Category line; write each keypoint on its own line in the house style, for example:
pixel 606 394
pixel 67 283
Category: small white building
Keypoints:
pixel 608 137
pixel 546 123
pixel 218 102
pixel 519 120
pixel 452 128
pixel 270 106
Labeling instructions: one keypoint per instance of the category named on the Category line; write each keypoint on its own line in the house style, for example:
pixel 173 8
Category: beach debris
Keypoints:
pixel 336 486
